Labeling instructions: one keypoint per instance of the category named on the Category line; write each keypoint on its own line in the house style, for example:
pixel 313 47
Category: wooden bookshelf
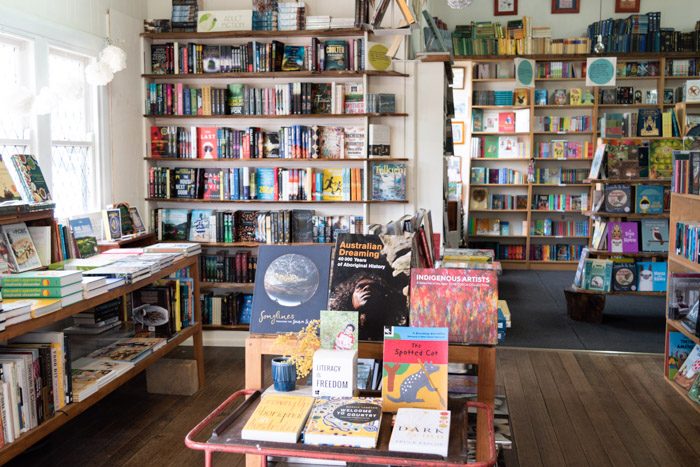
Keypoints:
pixel 275 117
pixel 199 36
pixel 631 181
pixel 633 293
pixel 626 215
pixel 226 327
pixel 639 254
pixel 231 286
pixel 272 160
pixel 335 74
pixel 261 201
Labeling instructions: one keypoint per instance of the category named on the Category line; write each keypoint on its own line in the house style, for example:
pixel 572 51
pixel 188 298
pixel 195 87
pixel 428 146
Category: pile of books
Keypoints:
pixel 318 22
pixel 47 291
pixel 291 16
pixel 340 23
pixel 98 320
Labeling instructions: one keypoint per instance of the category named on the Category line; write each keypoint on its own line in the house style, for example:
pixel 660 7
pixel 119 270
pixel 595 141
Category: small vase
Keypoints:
pixel 284 374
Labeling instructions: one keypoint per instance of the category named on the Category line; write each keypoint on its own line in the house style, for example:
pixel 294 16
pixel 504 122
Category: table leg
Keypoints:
pixel 253 379
pixel 486 394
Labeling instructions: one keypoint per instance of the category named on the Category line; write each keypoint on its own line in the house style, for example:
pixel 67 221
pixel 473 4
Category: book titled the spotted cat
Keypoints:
pixel 414 368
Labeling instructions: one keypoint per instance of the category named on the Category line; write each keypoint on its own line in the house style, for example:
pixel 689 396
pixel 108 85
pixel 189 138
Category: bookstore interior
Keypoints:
pixel 420 232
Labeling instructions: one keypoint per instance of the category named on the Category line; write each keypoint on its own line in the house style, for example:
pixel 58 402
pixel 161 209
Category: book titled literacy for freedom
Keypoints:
pixel 371 275
pixel 465 301
pixel 291 287
pixel 414 368
pixel 344 421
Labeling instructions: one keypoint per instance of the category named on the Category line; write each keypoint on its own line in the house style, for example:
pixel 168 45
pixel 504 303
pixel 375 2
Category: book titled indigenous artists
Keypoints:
pixel 415 368
pixel 291 287
pixel 371 275
pixel 465 301
pixel 344 421
pixel 278 418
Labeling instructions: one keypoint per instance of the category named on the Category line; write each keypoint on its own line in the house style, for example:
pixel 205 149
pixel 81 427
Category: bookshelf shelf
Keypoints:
pixel 536 261
pixel 273 160
pixel 686 196
pixel 641 294
pixel 501 159
pixel 559 185
pixel 579 57
pixel 560 79
pixel 493 80
pixel 498 210
pixel 247 244
pixel 555 211
pixel 169 36
pixel 629 106
pixel 521 185
pixel 562 133
pixel 638 78
pixel 489 133
pixel 234 286
pixel 500 107
pixel 275 75
pixel 275 117
pixel 560 237
pixel 639 254
pixel 684 263
pixel 497 236
pixel 677 326
pixel 631 181
pixel 552 106
pixel 626 215
pixel 550 159
pixel 641 138
pixel 226 327
pixel 256 201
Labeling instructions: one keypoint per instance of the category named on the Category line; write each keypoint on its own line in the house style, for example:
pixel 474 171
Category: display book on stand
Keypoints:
pixel 370 274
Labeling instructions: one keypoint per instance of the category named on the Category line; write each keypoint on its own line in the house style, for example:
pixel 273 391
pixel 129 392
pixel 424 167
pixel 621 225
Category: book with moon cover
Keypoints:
pixel 291 287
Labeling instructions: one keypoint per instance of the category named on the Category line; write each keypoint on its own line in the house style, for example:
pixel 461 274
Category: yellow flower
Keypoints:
pixel 299 348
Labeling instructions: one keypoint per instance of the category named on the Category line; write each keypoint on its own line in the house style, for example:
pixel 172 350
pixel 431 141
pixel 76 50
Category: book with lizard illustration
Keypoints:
pixel 415 368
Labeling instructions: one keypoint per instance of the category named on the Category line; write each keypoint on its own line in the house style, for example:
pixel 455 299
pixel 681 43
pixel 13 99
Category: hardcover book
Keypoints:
pixel 661 157
pixel 421 431
pixel 597 275
pixel 414 368
pixel 389 181
pixel 339 330
pixel 655 235
pixel 293 58
pixel 679 347
pixel 8 189
pixel 291 287
pixel 174 224
pixel 112 224
pixel 278 418
pixel 207 143
pixel 649 122
pixel 371 275
pixel 84 236
pixel 688 372
pixel 31 179
pixel 463 300
pixel 622 237
pixel 335 54
pixel 185 182
pixel 211 184
pixel 333 188
pixel 651 276
pixel 649 199
pixel 343 421
pixel 624 275
pixel 22 252
pixel 618 198
pixel 332 142
pixel 201 229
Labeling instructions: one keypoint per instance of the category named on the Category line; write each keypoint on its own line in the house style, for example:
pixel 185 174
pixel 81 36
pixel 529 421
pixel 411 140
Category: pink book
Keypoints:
pixel 623 237
pixel 180 104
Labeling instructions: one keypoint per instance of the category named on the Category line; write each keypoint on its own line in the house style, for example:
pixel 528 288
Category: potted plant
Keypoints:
pixel 298 353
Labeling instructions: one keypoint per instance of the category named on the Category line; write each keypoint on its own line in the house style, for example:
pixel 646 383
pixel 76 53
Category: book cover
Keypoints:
pixel 112 223
pixel 651 276
pixel 334 373
pixel 506 122
pixel 265 183
pixel 477 120
pixel 597 275
pixel 271 145
pixel 291 287
pixel 379 140
pixel 688 372
pixel 389 181
pixel 322 98
pixel 491 147
pixel 160 141
pixel 344 421
pixel 618 198
pixel 42 279
pixel 84 236
pixel 463 300
pixel 174 224
pixel 124 218
pixel 207 143
pixel 649 122
pixel 211 58
pixel 414 368
pixel 151 310
pixel 624 275
pixel 332 142
pixel 22 252
pixel 302 225
pixel 622 237
pixel 333 186
pixel 421 431
pixel 211 184
pixel 31 179
pixel 575 96
pixel 679 347
pixel 661 157
pixel 185 182
pixel 335 54
pixel 8 189
pixel 293 58
pixel 654 235
pixel 159 59
pixel 200 226
pixel 128 350
pixel 649 199
pixel 371 275
pixel 278 418
pixel 136 220
pixel 339 330
pixel 236 98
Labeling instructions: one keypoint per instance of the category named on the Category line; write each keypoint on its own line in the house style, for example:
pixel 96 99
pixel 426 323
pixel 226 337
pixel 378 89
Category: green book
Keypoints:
pixel 41 279
pixel 491 147
pixel 42 292
pixel 235 98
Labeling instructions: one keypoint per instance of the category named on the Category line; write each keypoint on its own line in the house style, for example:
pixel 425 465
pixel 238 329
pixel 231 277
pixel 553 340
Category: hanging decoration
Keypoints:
pixel 114 57
pixel 111 60
pixel 459 4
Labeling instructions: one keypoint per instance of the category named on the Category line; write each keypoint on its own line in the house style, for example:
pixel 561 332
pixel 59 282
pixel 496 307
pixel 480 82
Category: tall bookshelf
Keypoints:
pixel 396 81
pixel 524 218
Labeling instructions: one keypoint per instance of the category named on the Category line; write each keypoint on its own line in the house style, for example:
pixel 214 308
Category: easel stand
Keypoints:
pixel 483 356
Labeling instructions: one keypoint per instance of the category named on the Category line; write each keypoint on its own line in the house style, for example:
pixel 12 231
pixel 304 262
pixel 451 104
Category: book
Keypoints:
pixel 679 347
pixel 622 237
pixel 42 279
pixel 84 236
pixel 339 330
pixel 128 350
pixel 649 122
pixel 624 275
pixel 661 157
pixel 335 52
pixel 293 58
pixel 654 235
pixel 136 220
pixel 8 188
pixel 334 373
pixel 112 224
pixel 278 418
pixel 689 370
pixel 415 368
pixel 341 421
pixel 207 143
pixel 174 224
pixel 371 275
pixel 30 179
pixel 506 122
pixel 41 292
pixel 379 140
pixel 462 300
pixel 291 287
pixel 21 250
pixel 332 141
pixel 124 218
pixel 649 199
pixel 597 275
pixel 618 198
pixel 651 276
pixel 389 181
pixel 201 228
pixel 421 431
pixel 333 186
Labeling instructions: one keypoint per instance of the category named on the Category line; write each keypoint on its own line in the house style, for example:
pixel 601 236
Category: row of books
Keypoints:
pixel 563 149
pixel 571 96
pixel 556 252
pixel 686 172
pixel 289 142
pixel 480 200
pixel 560 202
pixel 493 147
pixel 635 158
pixel 622 275
pixel 551 228
pixel 682 296
pixel 99 319
pixel 486 226
pixel 560 70
pixel 623 199
pixel 502 97
pixel 256 57
pixel 559 175
pixel 644 123
pixel 226 308
pixel 556 124
pixel 491 121
pixel 648 235
pixel 238 267
pixel 264 184
pixel 683 360
pixel 687 244
pixel 505 176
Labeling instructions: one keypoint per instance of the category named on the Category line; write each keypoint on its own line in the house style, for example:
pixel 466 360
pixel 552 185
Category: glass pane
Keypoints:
pixel 12 125
pixel 70 119
pixel 73 176
pixel 7 150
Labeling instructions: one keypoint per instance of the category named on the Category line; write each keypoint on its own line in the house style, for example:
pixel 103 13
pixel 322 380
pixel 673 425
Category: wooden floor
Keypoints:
pixel 567 408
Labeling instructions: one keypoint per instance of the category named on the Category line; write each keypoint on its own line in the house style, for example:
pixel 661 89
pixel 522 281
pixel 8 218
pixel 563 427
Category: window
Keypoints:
pixel 15 128
pixel 73 144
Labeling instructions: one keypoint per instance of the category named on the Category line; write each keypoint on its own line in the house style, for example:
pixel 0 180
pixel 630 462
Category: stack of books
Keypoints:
pixel 341 23
pixel 100 319
pixel 187 249
pixel 90 374
pixel 291 16
pixel 94 286
pixel 14 311
pixel 318 22
pixel 62 287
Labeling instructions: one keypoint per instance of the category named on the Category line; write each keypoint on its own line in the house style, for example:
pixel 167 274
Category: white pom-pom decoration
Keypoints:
pixel 16 101
pixel 114 57
pixel 45 102
pixel 98 73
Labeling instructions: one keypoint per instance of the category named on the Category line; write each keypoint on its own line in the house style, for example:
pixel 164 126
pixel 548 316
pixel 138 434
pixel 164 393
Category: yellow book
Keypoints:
pixel 332 185
pixel 278 418
pixel 667 125
pixel 344 421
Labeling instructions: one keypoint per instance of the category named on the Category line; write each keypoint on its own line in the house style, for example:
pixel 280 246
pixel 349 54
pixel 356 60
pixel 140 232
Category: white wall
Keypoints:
pixel 680 14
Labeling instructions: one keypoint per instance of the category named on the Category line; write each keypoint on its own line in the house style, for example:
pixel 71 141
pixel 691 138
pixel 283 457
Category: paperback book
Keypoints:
pixel 344 421
pixel 278 418
pixel 422 431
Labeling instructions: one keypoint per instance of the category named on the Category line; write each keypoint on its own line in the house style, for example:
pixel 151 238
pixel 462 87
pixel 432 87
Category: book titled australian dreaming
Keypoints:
pixel 291 287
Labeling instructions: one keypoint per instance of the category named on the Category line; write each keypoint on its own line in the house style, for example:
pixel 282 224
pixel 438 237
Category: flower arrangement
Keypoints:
pixel 299 348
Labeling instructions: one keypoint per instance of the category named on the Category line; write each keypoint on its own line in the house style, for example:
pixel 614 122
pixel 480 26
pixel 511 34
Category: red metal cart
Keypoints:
pixel 228 439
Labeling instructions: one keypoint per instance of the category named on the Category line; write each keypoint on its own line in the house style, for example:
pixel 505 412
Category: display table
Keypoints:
pixel 227 438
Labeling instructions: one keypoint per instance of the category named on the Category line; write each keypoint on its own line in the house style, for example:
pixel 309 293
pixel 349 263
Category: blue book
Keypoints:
pixel 679 347
pixel 265 183
pixel 649 199
pixel 651 276
pixel 346 184
pixel 655 235
pixel 200 226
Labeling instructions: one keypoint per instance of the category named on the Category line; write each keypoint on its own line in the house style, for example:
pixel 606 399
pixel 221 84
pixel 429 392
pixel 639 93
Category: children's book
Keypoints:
pixel 688 372
pixel 651 276
pixel 655 235
pixel 201 226
pixel 415 368
pixel 422 431
pixel 597 275
pixel 679 347
pixel 622 237
pixel 339 330
pixel 649 199
pixel 344 421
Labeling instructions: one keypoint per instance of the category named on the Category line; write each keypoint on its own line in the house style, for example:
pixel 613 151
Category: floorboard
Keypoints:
pixel 566 407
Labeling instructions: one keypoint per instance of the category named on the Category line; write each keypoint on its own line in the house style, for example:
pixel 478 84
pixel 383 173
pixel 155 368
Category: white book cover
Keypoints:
pixel 422 431
pixel 334 373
